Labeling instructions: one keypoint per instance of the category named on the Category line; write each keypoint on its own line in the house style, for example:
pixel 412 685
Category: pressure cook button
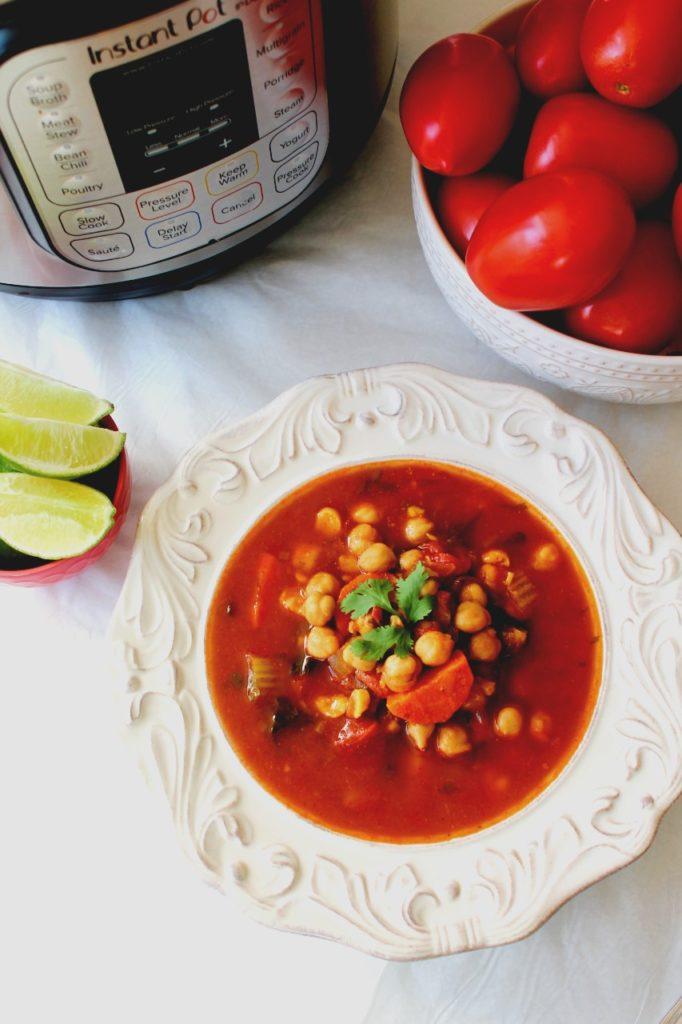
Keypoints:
pixel 81 186
pixel 238 203
pixel 169 199
pixel 234 172
pixel 293 136
pixel 45 91
pixel 70 157
pixel 59 125
pixel 90 220
pixel 106 247
pixel 173 230
pixel 299 167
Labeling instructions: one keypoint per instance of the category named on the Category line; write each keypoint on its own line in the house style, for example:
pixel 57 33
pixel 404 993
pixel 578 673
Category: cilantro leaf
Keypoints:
pixel 370 594
pixel 408 592
pixel 376 644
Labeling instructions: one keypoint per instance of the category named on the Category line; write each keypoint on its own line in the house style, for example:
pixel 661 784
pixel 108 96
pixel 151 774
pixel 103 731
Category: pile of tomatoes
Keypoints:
pixel 556 135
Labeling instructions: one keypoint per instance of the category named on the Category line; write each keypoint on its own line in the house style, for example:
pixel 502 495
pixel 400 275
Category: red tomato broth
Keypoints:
pixel 387 789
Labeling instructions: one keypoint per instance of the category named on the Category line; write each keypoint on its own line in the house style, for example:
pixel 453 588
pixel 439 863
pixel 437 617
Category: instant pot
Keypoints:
pixel 147 146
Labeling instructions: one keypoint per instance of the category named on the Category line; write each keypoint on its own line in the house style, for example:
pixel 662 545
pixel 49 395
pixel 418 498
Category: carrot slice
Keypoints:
pixel 355 734
pixel 268 580
pixel 437 696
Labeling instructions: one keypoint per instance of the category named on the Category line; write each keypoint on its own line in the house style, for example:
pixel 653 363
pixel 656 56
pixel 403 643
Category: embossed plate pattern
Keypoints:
pixel 407 901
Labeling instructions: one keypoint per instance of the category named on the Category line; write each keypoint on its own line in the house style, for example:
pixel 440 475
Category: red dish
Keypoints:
pixel 53 572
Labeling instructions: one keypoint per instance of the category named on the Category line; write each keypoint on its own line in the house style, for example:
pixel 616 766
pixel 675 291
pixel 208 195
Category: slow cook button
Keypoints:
pixel 296 169
pixel 169 199
pixel 106 247
pixel 173 230
pixel 293 136
pixel 89 220
pixel 235 172
pixel 237 203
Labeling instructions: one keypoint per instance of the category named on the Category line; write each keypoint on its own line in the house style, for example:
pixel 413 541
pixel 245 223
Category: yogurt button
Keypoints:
pixel 293 136
pixel 106 247
pixel 90 220
pixel 169 199
pixel 299 167
pixel 173 230
pixel 45 91
pixel 234 172
pixel 237 203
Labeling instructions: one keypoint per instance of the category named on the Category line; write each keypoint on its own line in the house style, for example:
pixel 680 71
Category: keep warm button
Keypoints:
pixel 296 169
pixel 173 230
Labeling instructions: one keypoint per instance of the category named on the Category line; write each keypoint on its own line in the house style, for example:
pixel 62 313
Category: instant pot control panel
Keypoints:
pixel 154 139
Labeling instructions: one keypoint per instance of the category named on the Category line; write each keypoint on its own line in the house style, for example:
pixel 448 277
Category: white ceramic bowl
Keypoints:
pixel 407 901
pixel 545 353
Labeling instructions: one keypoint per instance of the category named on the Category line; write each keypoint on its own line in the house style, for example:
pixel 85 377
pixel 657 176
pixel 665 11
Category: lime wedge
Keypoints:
pixel 51 519
pixel 51 448
pixel 25 393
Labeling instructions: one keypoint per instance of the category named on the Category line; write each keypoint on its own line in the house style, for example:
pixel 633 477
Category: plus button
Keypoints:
pixel 225 144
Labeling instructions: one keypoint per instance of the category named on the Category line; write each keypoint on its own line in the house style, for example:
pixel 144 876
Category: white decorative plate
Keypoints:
pixel 418 900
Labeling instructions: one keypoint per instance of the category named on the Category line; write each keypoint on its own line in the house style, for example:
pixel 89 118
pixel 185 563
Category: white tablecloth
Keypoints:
pixel 104 921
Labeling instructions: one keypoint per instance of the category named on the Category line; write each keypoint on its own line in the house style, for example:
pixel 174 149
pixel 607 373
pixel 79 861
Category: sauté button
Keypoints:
pixel 173 230
pixel 299 167
pixel 234 172
pixel 106 247
pixel 169 199
pixel 237 203
pixel 293 136
pixel 90 220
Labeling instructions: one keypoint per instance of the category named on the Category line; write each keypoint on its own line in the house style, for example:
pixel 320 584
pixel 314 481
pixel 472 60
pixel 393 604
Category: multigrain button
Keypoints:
pixel 106 247
pixel 169 199
pixel 299 167
pixel 173 230
pixel 59 125
pixel 293 136
pixel 45 91
pixel 234 172
pixel 283 39
pixel 89 220
pixel 237 203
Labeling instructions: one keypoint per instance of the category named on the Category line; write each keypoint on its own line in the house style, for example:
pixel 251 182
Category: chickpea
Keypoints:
pixel 473 592
pixel 452 740
pixel 332 707
pixel 355 661
pixel 305 557
pixel 358 702
pixel 434 648
pixel 321 643
pixel 348 564
pixel 429 589
pixel 323 583
pixel 494 576
pixel 495 556
pixel 545 557
pixel 508 721
pixel 540 725
pixel 291 599
pixel 400 674
pixel 417 529
pixel 419 734
pixel 361 537
pixel 365 512
pixel 409 560
pixel 328 522
pixel 363 624
pixel 513 638
pixel 396 621
pixel 318 609
pixel 413 511
pixel 488 686
pixel 471 617
pixel 485 646
pixel 377 558
pixel 392 725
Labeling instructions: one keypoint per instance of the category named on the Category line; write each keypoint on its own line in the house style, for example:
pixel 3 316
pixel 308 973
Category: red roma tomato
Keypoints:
pixel 641 309
pixel 551 241
pixel 462 202
pixel 548 47
pixel 458 103
pixel 632 49
pixel 581 130
pixel 677 220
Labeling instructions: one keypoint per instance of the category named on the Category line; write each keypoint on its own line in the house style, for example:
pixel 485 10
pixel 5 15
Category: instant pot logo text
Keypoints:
pixel 172 28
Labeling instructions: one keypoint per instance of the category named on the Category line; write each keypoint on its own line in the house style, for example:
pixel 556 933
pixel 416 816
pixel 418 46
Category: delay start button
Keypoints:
pixel 106 247
pixel 173 230
pixel 299 167
pixel 168 199
pixel 293 136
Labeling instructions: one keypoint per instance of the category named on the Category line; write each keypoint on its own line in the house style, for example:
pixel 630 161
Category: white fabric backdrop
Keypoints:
pixel 104 921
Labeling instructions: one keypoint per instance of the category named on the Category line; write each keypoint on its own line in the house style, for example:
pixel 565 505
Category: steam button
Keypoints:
pixel 104 248
pixel 45 91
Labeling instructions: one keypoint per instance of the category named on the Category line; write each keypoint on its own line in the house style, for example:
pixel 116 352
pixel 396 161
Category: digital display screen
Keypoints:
pixel 178 109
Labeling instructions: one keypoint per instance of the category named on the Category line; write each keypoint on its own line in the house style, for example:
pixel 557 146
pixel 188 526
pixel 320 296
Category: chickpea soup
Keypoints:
pixel 404 651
